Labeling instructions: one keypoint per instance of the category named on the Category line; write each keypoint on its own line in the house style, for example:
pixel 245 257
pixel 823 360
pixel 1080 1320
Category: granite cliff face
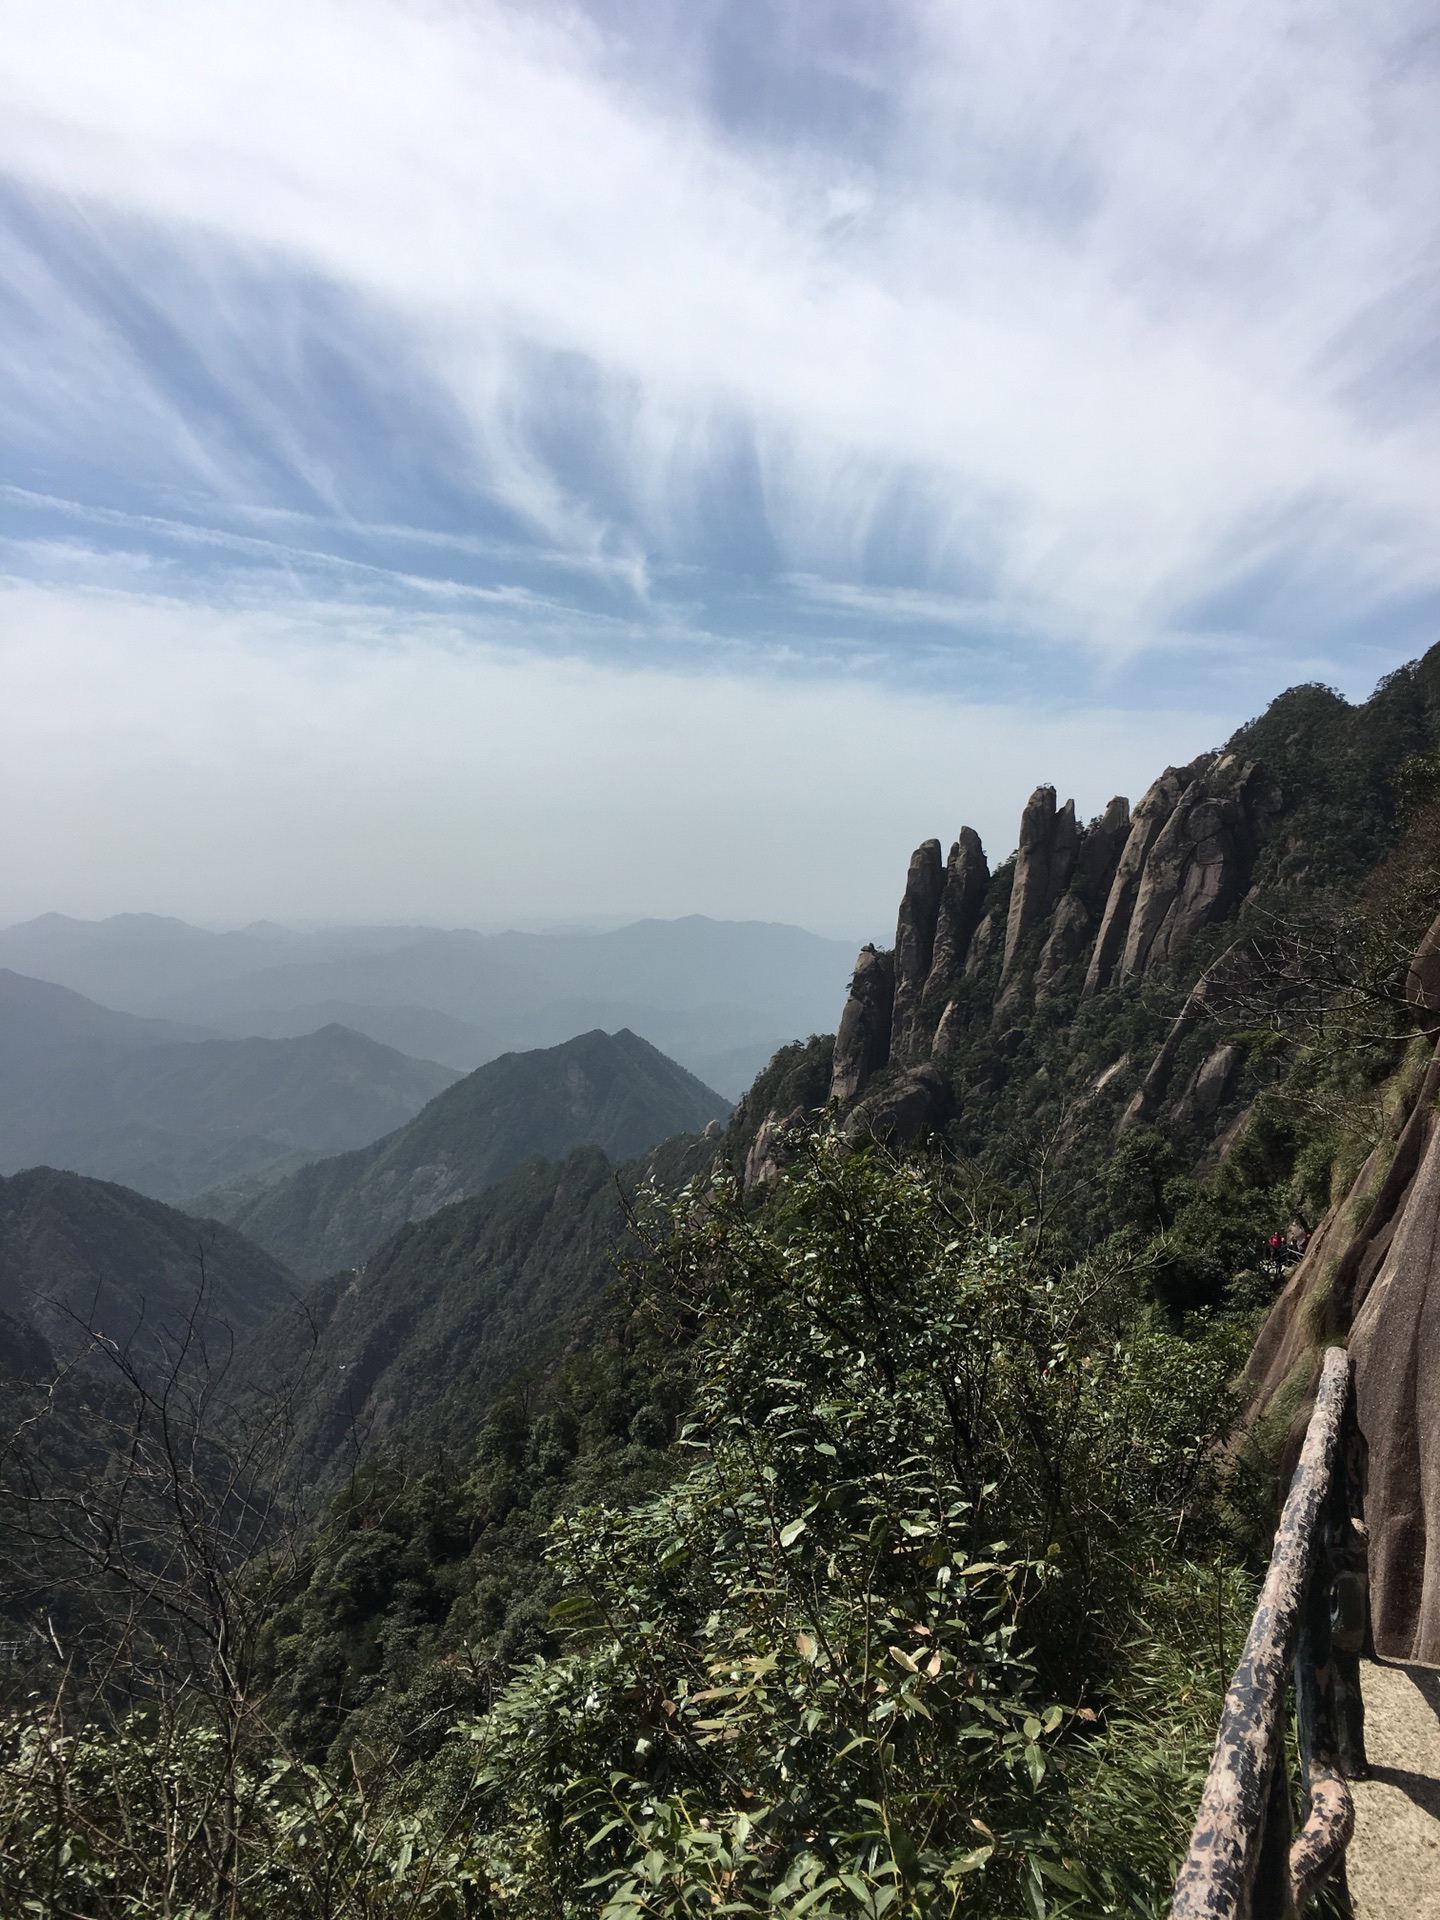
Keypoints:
pixel 1370 1280
pixel 1078 910
pixel 1080 990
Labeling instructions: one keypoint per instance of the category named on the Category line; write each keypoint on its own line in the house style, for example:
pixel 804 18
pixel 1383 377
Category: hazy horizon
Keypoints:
pixel 595 923
pixel 630 458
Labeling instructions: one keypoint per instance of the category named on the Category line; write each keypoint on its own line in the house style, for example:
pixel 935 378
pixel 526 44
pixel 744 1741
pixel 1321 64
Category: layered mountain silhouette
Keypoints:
pixel 144 1102
pixel 612 1091
pixel 1030 1014
pixel 717 995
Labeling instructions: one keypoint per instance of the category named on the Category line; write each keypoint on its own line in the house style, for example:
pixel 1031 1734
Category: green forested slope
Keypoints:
pixel 411 1349
pixel 873 1550
pixel 78 1253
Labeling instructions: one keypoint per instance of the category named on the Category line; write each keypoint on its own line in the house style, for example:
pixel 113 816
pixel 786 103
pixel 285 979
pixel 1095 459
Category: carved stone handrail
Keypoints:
pixel 1312 1612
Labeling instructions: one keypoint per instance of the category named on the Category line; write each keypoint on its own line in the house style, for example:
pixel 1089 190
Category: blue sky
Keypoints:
pixel 469 461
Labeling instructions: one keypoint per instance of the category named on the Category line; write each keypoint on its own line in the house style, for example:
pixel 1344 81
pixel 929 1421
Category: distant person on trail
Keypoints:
pixel 1285 1249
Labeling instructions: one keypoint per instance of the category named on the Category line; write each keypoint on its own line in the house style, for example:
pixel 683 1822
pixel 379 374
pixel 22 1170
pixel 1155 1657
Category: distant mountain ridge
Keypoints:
pixel 76 1252
pixel 36 1015
pixel 612 1091
pixel 720 996
pixel 169 1110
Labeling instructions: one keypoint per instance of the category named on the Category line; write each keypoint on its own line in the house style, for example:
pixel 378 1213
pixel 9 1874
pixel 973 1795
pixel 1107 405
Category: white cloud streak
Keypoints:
pixel 1113 340
pixel 1129 308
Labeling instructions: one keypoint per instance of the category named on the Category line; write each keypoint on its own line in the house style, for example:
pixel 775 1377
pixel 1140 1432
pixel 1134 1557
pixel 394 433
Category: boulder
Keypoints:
pixel 862 1044
pixel 918 1101
pixel 914 950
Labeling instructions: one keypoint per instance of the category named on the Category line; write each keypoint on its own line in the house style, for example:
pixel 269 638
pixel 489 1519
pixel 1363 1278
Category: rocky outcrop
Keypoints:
pixel 771 1150
pixel 1153 1087
pixel 1197 869
pixel 1069 936
pixel 1209 1085
pixel 1082 904
pixel 917 1102
pixel 1101 845
pixel 1111 898
pixel 1422 982
pixel 967 876
pixel 1371 1278
pixel 988 936
pixel 1156 805
pixel 1049 846
pixel 862 1043
pixel 1395 1335
pixel 915 932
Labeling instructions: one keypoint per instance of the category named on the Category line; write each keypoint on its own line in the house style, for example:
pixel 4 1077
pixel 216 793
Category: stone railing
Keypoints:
pixel 1243 1863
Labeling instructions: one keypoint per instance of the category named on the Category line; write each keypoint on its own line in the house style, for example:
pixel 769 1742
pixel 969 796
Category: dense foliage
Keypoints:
pixel 75 1250
pixel 839 1665
pixel 860 1640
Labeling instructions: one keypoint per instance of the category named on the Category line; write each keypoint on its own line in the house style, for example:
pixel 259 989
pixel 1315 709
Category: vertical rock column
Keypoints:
pixel 1031 891
pixel 1083 902
pixel 1049 847
pixel 914 950
pixel 862 1044
pixel 967 875
pixel 1155 808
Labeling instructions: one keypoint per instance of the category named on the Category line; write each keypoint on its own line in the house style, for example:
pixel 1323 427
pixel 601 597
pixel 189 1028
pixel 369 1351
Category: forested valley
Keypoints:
pixel 853 1509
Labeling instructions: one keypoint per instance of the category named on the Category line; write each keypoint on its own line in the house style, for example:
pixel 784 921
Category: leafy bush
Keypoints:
pixel 147 1817
pixel 837 1667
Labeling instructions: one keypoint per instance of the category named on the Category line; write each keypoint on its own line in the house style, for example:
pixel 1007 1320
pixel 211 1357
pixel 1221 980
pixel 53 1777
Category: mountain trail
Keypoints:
pixel 1393 1863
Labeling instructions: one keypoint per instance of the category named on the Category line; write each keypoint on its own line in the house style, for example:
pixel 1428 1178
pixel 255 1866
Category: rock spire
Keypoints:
pixel 1089 906
pixel 914 949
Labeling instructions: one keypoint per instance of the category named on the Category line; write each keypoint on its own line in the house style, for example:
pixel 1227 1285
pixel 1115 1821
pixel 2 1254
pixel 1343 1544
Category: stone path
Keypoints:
pixel 1393 1863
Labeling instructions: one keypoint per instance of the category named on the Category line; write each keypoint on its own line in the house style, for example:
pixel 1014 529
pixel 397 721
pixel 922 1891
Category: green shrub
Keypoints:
pixel 837 1667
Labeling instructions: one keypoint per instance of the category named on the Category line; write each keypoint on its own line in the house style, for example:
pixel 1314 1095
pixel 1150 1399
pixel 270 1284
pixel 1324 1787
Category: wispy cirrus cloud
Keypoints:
pixel 1086 317
pixel 1071 359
